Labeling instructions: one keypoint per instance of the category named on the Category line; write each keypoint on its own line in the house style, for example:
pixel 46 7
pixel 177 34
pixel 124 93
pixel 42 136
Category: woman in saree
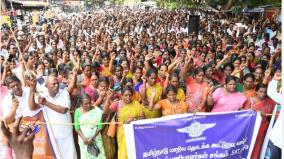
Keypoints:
pixel 127 110
pixel 91 90
pixel 209 74
pixel 248 87
pixel 151 87
pixel 171 105
pixel 173 79
pixel 89 134
pixel 221 99
pixel 106 66
pixel 137 78
pixel 129 82
pixel 195 90
pixel 265 105
pixel 85 78
pixel 109 142
pixel 117 78
pixel 162 74
pixel 237 72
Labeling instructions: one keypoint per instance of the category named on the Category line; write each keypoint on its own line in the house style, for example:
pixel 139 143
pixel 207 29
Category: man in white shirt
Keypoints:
pixel 15 104
pixel 41 43
pixel 56 104
pixel 276 134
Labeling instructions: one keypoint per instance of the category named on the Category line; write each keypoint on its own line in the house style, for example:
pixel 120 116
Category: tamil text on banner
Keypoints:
pixel 206 135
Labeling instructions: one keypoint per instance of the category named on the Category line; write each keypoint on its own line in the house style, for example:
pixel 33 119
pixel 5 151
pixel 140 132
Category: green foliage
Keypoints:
pixel 255 3
pixel 175 4
pixel 236 10
pixel 170 4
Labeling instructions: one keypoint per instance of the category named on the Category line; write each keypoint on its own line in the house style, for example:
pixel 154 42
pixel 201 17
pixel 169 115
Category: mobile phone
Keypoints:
pixel 13 95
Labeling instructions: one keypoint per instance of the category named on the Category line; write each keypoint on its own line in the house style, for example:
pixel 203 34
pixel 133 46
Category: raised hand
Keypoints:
pixel 144 79
pixel 102 93
pixel 110 93
pixel 21 142
pixel 112 56
pixel 148 57
pixel 32 83
pixel 267 72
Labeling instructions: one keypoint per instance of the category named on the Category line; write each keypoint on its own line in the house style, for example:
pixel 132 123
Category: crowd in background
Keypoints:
pixel 124 64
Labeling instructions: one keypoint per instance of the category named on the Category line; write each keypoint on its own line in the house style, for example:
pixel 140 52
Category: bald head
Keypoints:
pixel 52 85
pixel 50 78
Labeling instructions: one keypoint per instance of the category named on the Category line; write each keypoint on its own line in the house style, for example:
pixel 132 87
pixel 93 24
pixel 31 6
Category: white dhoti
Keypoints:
pixel 67 147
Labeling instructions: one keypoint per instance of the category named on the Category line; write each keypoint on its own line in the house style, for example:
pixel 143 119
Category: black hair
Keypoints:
pixel 211 63
pixel 61 67
pixel 86 65
pixel 26 57
pixel 219 55
pixel 116 66
pixel 11 79
pixel 38 63
pixel 122 50
pixel 53 71
pixel 249 75
pixel 105 55
pixel 127 80
pixel 104 79
pixel 163 65
pixel 151 71
pixel 123 59
pixel 262 63
pixel 138 68
pixel 206 67
pixel 229 64
pixel 95 65
pixel 198 70
pixel 242 56
pixel 174 74
pixel 82 97
pixel 252 53
pixel 237 58
pixel 230 78
pixel 275 68
pixel 78 51
pixel 171 88
pixel 127 88
pixel 172 52
pixel 260 85
pixel 182 50
pixel 49 60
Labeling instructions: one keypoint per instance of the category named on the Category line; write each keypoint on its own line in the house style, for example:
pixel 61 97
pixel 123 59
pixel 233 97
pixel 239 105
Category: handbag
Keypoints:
pixel 112 127
pixel 93 149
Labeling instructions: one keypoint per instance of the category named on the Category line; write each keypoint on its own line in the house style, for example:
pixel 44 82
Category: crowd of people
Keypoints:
pixel 121 65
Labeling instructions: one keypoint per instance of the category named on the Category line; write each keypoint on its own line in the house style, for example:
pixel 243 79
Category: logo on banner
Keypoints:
pixel 196 129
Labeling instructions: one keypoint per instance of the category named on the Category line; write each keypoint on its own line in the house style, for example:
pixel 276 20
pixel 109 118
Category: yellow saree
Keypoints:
pixel 158 90
pixel 180 95
pixel 135 110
